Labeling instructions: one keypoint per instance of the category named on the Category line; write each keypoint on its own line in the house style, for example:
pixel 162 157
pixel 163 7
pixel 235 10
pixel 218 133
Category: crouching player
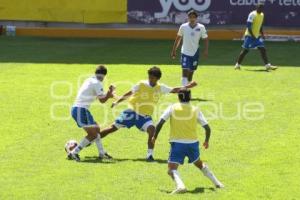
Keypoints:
pixel 143 98
pixel 91 89
pixel 183 139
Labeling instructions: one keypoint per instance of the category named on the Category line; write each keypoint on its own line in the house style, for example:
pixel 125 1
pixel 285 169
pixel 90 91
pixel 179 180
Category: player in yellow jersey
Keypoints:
pixel 254 38
pixel 184 119
pixel 143 98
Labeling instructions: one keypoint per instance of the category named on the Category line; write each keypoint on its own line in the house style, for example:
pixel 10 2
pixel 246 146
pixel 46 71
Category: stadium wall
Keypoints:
pixel 81 11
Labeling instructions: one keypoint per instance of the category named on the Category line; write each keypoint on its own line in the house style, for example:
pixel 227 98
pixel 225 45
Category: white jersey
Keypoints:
pixel 191 37
pixel 88 92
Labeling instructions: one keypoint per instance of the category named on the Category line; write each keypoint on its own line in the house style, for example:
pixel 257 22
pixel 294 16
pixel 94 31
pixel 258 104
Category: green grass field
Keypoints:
pixel 255 159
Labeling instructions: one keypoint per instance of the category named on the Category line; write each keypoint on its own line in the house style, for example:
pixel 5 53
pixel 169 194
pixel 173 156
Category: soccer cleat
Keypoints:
pixel 105 156
pixel 220 185
pixel 179 191
pixel 150 159
pixel 237 67
pixel 270 67
pixel 74 156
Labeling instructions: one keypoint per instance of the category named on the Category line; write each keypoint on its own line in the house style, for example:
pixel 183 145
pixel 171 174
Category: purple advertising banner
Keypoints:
pixel 280 13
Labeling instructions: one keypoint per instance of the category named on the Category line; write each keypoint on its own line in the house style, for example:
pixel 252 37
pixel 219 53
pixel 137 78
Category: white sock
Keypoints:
pixel 149 153
pixel 84 142
pixel 237 65
pixel 268 65
pixel 177 179
pixel 184 81
pixel 99 145
pixel 206 172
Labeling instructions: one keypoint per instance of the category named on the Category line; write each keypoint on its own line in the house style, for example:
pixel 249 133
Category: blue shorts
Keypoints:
pixel 181 150
pixel 190 62
pixel 82 117
pixel 129 118
pixel 253 43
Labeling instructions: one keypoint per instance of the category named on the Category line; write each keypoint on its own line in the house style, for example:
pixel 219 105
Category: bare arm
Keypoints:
pixel 108 95
pixel 190 85
pixel 207 136
pixel 175 46
pixel 158 127
pixel 124 97
pixel 206 44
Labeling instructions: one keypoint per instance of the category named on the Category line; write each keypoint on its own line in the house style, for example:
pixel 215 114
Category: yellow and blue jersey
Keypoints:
pixel 255 21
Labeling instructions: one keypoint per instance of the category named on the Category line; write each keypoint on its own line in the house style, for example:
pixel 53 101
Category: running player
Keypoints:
pixel 254 38
pixel 91 89
pixel 184 140
pixel 143 98
pixel 191 33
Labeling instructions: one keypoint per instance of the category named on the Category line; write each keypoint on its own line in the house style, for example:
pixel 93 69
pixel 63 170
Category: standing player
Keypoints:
pixel 91 89
pixel 254 38
pixel 191 33
pixel 143 98
pixel 184 140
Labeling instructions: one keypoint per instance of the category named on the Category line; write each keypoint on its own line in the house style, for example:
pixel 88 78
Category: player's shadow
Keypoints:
pixel 257 70
pixel 197 190
pixel 95 159
pixel 200 99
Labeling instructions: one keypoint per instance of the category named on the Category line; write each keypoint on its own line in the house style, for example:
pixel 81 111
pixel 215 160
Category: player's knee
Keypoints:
pixel 151 129
pixel 170 173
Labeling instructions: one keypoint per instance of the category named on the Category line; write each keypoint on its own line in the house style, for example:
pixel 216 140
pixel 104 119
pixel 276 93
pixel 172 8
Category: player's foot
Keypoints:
pixel 179 191
pixel 270 67
pixel 237 66
pixel 220 185
pixel 74 156
pixel 150 159
pixel 105 156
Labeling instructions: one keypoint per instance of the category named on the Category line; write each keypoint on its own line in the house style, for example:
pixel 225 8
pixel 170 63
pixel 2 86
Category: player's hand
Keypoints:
pixel 173 54
pixel 114 104
pixel 205 54
pixel 205 145
pixel 112 88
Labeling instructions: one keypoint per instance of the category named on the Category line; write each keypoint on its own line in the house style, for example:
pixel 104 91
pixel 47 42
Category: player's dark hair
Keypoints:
pixel 192 12
pixel 101 70
pixel 184 96
pixel 154 71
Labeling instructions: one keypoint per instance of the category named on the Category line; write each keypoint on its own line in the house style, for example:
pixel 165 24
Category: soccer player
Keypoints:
pixel 191 33
pixel 143 98
pixel 184 140
pixel 254 38
pixel 91 89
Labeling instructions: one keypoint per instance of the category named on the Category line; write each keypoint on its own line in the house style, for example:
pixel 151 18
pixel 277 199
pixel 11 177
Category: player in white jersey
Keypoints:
pixel 190 33
pixel 91 90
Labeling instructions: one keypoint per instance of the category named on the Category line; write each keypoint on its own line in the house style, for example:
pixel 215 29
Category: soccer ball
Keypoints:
pixel 70 145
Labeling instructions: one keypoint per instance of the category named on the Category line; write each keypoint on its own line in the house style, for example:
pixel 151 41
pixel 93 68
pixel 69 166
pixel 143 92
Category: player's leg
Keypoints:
pixel 145 123
pixel 185 77
pixel 240 58
pixel 84 120
pixel 263 53
pixel 174 174
pixel 106 131
pixel 102 153
pixel 151 133
pixel 209 174
pixel 91 135
pixel 176 157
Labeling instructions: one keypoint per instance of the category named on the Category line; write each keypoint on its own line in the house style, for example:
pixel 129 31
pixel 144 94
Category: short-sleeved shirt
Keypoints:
pixel 191 37
pixel 200 117
pixel 164 88
pixel 256 19
pixel 88 92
